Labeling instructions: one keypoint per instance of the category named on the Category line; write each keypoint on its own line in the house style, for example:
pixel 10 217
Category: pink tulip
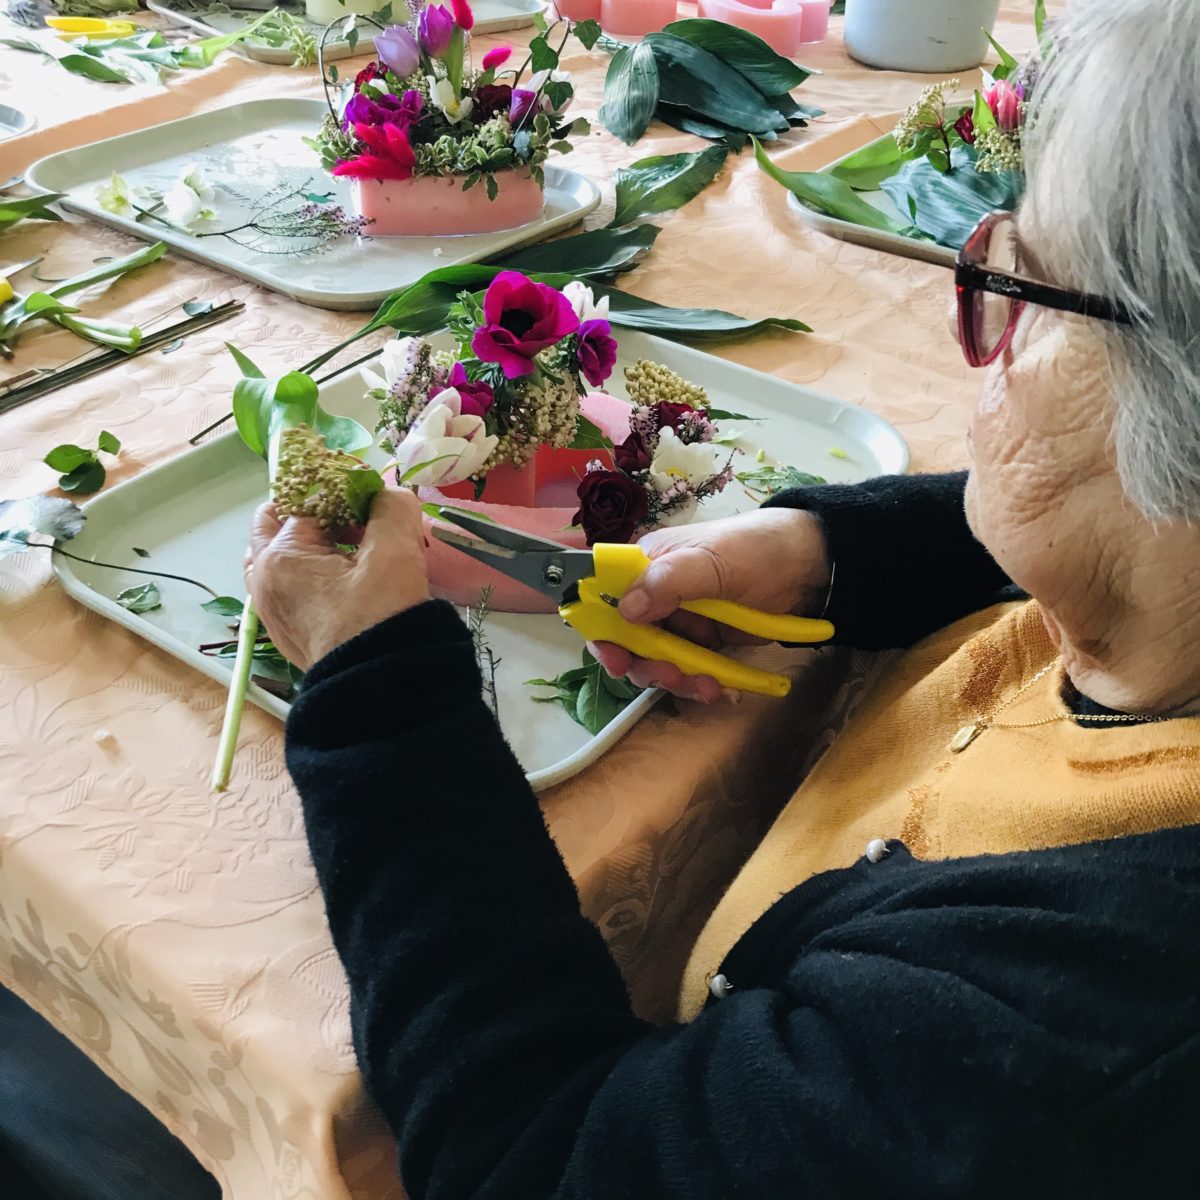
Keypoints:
pixel 1005 102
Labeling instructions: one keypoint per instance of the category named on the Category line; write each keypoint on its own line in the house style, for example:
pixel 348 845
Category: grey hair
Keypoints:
pixel 1113 208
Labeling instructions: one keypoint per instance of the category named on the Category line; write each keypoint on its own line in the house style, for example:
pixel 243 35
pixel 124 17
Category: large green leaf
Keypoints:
pixel 828 195
pixel 665 182
pixel 866 169
pixel 632 312
pixel 747 53
pixel 630 93
pixel 32 208
pixel 692 78
pixel 597 252
pixel 949 206
pixel 686 121
pixel 110 270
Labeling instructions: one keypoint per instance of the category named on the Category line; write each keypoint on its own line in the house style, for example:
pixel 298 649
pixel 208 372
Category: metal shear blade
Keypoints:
pixel 547 567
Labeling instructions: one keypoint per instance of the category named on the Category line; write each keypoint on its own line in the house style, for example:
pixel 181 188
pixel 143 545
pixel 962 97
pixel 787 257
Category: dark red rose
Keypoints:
pixel 611 506
pixel 668 416
pixel 369 72
pixel 491 99
pixel 965 126
pixel 632 454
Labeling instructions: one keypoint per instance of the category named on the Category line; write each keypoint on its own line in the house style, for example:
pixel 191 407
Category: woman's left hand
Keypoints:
pixel 312 596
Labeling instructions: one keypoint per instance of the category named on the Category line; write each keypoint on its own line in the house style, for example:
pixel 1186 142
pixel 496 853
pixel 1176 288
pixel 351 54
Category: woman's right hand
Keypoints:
pixel 773 559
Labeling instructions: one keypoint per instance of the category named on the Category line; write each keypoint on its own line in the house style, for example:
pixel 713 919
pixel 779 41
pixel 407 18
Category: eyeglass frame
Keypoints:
pixel 972 276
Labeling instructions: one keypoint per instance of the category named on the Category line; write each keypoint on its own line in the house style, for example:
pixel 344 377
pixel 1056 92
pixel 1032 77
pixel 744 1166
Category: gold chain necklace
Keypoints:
pixel 968 733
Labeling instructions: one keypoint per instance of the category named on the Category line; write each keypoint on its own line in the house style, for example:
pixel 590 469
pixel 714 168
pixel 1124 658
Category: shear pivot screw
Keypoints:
pixel 554 574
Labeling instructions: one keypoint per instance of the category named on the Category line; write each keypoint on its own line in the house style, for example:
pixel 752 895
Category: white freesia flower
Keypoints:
pixel 583 301
pixel 187 200
pixel 674 461
pixel 442 432
pixel 121 198
pixel 397 358
pixel 448 102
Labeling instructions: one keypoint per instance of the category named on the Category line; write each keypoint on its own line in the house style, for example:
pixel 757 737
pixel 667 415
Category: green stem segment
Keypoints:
pixel 236 705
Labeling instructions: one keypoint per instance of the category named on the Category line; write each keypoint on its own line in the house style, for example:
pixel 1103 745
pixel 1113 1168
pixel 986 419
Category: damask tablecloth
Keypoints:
pixel 176 936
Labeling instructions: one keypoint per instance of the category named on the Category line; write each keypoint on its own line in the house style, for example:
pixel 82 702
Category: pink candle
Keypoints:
pixel 785 25
pixel 578 10
pixel 633 18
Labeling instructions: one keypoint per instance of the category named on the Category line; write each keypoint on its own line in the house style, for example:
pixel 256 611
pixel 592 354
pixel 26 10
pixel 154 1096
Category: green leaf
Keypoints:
pixel 766 481
pixel 413 472
pixel 664 183
pixel 828 195
pixel 950 206
pixel 140 552
pixel 596 705
pixel 363 484
pixel 587 32
pixel 720 414
pixel 29 208
pixel 631 93
pixel 49 515
pixel 91 68
pixel 141 599
pixel 224 606
pixel 109 442
pixel 67 457
pixel 632 312
pixel 126 338
pixel 1008 64
pixel 747 53
pixel 118 266
pixel 622 689
pixel 687 122
pixel 542 55
pixel 693 78
pixel 588 436
pixel 866 169
pixel 85 479
pixel 1039 17
pixel 982 115
pixel 597 252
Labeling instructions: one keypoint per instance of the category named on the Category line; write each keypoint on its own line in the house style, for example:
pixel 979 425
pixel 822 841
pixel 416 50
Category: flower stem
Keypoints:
pixel 91 562
pixel 236 704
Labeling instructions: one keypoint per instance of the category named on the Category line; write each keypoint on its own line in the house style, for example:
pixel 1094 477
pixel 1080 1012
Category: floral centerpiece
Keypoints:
pixel 422 127
pixel 513 421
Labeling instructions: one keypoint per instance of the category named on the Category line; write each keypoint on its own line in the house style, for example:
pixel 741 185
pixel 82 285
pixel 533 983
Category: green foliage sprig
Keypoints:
pixel 28 208
pixel 81 470
pixel 588 694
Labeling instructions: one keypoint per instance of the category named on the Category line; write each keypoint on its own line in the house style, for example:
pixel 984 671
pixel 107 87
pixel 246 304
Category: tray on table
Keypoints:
pixel 193 513
pixel 254 150
pixel 491 16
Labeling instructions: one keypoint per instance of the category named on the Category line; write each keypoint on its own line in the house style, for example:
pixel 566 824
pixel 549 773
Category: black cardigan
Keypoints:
pixel 1019 1025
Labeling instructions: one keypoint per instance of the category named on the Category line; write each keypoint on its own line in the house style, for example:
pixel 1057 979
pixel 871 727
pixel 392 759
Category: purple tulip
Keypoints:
pixel 435 29
pixel 398 51
pixel 597 351
pixel 404 111
pixel 522 318
pixel 522 102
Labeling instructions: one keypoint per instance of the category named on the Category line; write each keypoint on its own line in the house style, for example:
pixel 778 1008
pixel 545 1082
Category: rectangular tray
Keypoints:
pixel 491 16
pixel 875 239
pixel 246 150
pixel 193 513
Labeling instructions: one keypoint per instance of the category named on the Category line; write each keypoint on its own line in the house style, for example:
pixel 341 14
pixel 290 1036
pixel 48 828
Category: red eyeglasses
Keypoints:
pixel 992 293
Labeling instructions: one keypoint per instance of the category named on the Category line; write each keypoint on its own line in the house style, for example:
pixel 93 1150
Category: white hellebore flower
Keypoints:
pixel 121 198
pixel 583 301
pixel 677 463
pixel 448 102
pixel 186 201
pixel 396 358
pixel 442 432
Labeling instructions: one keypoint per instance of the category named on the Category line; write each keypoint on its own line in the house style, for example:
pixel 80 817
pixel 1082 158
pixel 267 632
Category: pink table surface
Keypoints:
pixel 177 937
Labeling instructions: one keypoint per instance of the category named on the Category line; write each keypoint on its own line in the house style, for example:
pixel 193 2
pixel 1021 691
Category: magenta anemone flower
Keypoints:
pixel 522 318
pixel 398 51
pixel 386 110
pixel 477 397
pixel 597 351
pixel 434 30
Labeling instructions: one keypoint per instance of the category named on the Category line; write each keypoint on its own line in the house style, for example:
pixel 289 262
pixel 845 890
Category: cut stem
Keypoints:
pixel 236 704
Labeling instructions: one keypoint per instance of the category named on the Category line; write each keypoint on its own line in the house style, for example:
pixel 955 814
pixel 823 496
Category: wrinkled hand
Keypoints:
pixel 312 597
pixel 774 559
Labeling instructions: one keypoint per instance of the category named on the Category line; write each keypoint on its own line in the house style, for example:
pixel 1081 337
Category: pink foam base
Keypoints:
pixel 554 476
pixel 785 25
pixel 429 207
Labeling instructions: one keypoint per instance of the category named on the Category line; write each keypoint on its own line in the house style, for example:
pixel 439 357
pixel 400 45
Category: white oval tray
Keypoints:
pixel 193 513
pixel 248 149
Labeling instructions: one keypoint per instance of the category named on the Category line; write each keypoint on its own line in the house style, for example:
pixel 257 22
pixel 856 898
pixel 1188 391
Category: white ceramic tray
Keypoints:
pixel 245 151
pixel 491 16
pixel 192 514
pixel 875 239
pixel 13 121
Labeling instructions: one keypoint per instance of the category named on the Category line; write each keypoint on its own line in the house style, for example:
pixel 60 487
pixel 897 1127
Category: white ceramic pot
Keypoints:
pixel 934 36
pixel 322 12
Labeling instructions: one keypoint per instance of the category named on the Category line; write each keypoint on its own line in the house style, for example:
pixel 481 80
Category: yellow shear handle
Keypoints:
pixel 94 28
pixel 596 620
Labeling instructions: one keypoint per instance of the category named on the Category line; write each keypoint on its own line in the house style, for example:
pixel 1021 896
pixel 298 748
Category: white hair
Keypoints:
pixel 1113 208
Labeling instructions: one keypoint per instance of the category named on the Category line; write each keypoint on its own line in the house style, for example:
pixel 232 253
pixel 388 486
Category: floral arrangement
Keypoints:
pixel 663 470
pixel 526 355
pixel 422 110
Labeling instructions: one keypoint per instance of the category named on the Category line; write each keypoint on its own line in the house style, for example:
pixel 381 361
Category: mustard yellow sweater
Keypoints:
pixel 891 774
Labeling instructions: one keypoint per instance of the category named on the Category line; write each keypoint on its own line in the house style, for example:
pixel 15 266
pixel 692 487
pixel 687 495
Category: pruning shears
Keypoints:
pixel 94 28
pixel 6 274
pixel 587 585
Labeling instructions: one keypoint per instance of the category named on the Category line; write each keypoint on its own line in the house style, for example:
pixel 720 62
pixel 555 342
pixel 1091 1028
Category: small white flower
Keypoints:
pixel 121 198
pixel 441 432
pixel 583 301
pixel 187 200
pixel 448 102
pixel 676 461
pixel 396 357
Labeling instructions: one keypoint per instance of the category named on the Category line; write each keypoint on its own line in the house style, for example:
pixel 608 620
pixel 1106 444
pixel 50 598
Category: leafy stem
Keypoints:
pixel 91 562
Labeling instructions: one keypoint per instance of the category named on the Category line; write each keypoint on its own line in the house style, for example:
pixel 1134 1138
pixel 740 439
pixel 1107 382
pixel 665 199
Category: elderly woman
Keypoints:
pixel 1000 996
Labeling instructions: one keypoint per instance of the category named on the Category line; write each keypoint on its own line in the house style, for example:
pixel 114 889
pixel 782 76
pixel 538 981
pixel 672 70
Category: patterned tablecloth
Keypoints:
pixel 178 937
